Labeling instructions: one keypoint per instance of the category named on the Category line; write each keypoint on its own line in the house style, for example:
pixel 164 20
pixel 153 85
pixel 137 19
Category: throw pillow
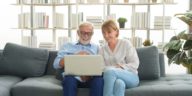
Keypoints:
pixel 23 61
pixel 149 63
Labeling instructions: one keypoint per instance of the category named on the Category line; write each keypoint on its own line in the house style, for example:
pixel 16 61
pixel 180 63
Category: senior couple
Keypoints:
pixel 120 58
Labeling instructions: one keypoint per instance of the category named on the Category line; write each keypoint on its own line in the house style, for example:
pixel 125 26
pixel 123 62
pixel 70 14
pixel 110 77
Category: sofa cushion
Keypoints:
pixel 6 83
pixel 1 53
pixel 23 61
pixel 50 70
pixel 162 64
pixel 170 85
pixel 149 63
pixel 38 86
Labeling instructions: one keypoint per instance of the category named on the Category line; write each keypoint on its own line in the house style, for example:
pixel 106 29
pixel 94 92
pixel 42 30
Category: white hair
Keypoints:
pixel 86 24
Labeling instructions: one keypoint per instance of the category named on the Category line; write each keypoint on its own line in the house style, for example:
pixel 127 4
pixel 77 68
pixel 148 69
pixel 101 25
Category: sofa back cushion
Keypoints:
pixel 50 70
pixel 23 61
pixel 1 53
pixel 149 67
pixel 162 64
pixel 149 63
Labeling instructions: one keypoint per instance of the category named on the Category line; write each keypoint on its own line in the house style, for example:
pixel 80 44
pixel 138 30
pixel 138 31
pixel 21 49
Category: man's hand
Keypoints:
pixel 82 53
pixel 85 78
pixel 61 63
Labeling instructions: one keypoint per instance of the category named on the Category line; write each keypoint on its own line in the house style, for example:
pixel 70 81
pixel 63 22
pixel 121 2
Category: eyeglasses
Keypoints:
pixel 86 33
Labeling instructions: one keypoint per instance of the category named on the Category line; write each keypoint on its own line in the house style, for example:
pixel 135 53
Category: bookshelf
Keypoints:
pixel 143 21
pixel 35 19
pixel 76 11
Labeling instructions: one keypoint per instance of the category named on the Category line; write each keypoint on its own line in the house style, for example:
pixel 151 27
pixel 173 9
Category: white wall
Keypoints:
pixel 8 19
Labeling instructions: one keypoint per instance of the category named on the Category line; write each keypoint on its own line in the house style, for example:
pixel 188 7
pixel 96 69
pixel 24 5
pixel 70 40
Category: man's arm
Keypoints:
pixel 59 61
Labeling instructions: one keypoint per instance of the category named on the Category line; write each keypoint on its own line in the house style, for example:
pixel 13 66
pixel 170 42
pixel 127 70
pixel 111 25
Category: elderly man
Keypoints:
pixel 81 47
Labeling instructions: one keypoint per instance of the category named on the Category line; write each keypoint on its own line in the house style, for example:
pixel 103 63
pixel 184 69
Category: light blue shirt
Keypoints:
pixel 73 48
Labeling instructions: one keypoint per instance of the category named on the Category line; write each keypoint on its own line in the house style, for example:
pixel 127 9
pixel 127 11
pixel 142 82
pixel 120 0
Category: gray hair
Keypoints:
pixel 86 24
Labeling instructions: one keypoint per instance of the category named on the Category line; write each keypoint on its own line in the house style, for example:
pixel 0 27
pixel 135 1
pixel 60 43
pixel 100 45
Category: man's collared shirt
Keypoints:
pixel 73 48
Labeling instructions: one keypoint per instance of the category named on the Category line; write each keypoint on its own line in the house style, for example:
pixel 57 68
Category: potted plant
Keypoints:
pixel 154 1
pixel 147 42
pixel 179 48
pixel 122 21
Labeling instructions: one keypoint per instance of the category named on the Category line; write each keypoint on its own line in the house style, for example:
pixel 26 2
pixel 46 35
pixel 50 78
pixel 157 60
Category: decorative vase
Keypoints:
pixel 154 1
pixel 189 70
pixel 126 1
pixel 147 42
pixel 188 67
pixel 190 29
pixel 122 25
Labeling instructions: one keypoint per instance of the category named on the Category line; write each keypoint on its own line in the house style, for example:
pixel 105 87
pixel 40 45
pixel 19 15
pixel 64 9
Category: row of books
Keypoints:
pixel 52 45
pixel 136 41
pixel 169 1
pixel 147 1
pixel 40 1
pixel 58 22
pixel 95 20
pixel 143 1
pixel 162 22
pixel 139 20
pixel 47 45
pixel 31 41
pixel 56 1
pixel 80 1
pixel 40 20
pixel 63 40
pixel 76 19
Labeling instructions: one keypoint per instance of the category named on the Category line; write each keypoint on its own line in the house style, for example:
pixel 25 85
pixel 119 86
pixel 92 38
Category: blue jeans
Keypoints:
pixel 71 85
pixel 116 80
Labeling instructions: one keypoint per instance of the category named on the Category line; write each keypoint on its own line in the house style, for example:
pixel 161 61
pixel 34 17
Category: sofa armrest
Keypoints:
pixel 1 53
pixel 162 64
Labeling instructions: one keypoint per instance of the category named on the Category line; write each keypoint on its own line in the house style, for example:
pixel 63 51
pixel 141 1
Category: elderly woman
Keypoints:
pixel 121 61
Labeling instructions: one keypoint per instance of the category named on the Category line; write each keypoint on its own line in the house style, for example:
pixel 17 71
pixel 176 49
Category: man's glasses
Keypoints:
pixel 86 33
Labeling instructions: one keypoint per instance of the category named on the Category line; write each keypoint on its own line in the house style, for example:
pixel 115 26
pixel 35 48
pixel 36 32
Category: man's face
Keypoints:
pixel 85 33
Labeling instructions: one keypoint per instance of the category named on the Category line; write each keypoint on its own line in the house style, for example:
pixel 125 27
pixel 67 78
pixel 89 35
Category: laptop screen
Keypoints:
pixel 83 65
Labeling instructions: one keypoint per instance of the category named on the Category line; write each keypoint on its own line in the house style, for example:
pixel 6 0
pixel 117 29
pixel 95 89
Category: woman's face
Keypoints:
pixel 110 34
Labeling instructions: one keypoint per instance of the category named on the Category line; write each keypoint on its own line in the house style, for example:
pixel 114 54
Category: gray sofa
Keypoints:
pixel 29 72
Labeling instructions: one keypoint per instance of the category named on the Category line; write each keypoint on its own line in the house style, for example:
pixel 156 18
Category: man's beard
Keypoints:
pixel 84 42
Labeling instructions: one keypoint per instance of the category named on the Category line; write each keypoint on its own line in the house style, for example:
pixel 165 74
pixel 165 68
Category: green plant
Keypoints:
pixel 122 20
pixel 179 48
pixel 147 42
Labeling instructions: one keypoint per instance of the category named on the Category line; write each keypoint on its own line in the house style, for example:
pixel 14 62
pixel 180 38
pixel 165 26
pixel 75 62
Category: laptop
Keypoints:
pixel 83 65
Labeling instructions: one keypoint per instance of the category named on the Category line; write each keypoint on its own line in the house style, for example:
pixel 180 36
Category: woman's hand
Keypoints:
pixel 119 66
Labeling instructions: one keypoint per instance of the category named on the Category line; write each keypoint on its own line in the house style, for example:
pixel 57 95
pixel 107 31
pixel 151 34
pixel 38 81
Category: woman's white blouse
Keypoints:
pixel 124 53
